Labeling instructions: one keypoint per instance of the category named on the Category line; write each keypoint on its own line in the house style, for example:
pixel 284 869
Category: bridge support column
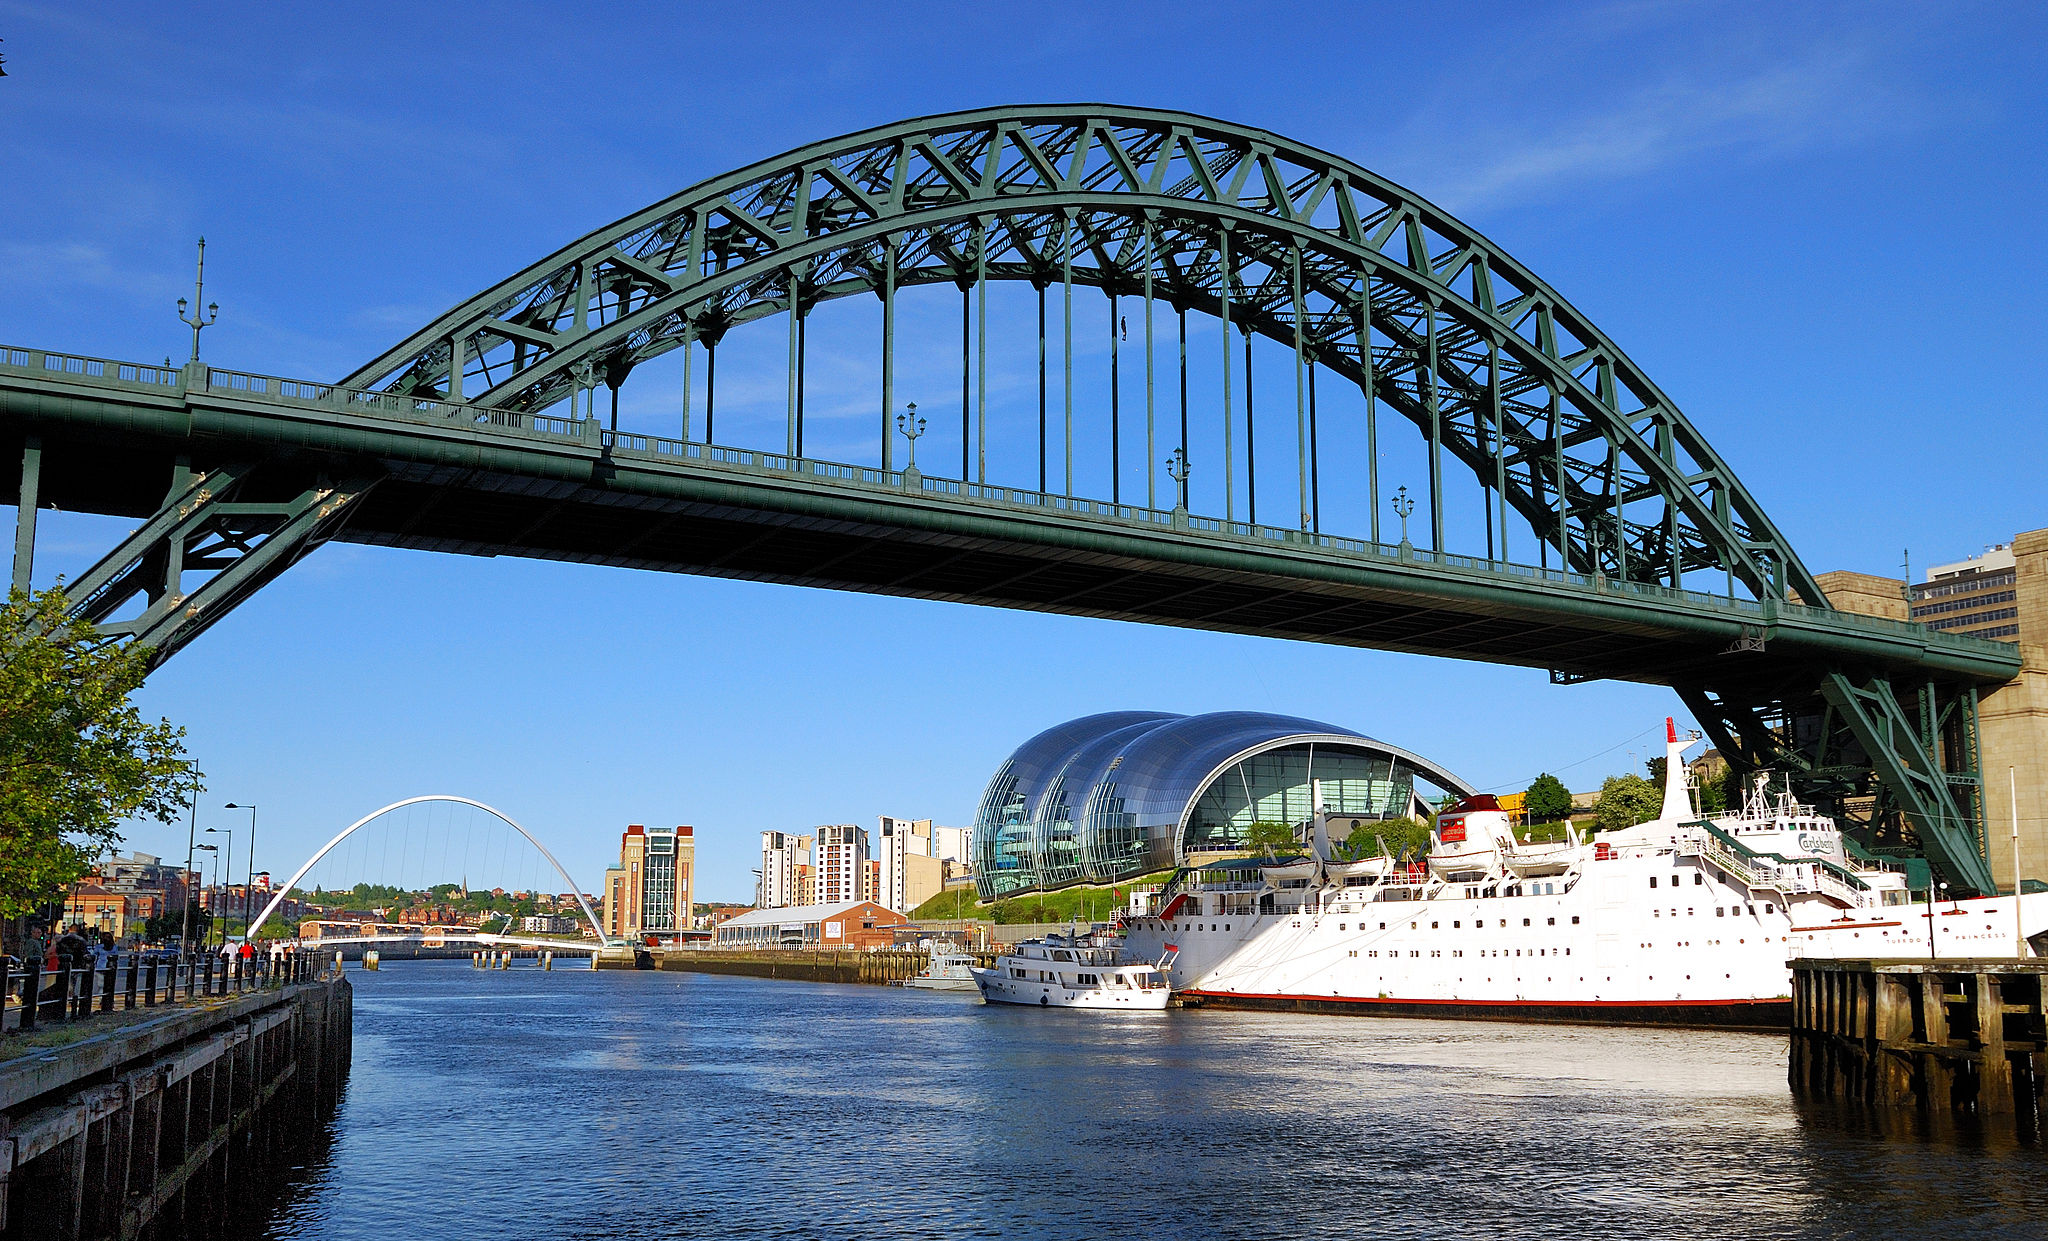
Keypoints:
pixel 25 513
pixel 213 522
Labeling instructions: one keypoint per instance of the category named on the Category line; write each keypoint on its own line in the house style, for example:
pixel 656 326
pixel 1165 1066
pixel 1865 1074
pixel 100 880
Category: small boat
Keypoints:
pixel 1072 972
pixel 947 971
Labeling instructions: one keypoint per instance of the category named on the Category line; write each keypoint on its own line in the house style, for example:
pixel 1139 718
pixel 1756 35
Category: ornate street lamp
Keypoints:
pixel 1177 470
pixel 911 426
pixel 1403 506
pixel 198 320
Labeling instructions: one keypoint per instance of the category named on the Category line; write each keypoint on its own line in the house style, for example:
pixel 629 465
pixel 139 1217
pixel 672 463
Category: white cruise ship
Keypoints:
pixel 1681 920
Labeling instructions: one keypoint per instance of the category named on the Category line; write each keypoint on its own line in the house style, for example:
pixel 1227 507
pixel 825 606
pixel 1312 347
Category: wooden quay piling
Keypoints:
pixel 162 1125
pixel 1952 1036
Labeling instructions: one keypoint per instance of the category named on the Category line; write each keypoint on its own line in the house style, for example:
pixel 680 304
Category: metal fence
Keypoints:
pixel 35 997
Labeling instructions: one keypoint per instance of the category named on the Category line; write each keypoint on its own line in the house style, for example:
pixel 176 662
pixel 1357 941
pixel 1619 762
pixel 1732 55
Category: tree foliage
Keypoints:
pixel 1267 835
pixel 1626 801
pixel 172 922
pixel 1547 800
pixel 76 757
pixel 1400 836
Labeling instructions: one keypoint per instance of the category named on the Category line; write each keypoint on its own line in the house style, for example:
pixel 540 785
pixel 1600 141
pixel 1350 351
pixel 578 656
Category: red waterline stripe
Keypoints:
pixel 1354 999
pixel 1844 926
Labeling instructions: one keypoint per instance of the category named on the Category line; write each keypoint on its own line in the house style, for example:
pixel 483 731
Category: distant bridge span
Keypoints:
pixel 590 915
pixel 483 939
pixel 481 433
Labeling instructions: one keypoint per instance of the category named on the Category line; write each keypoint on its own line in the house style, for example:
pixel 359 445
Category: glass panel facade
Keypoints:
pixel 1009 841
pixel 1273 787
pixel 1103 798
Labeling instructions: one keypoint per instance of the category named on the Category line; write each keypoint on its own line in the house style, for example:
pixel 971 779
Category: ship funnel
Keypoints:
pixel 1677 806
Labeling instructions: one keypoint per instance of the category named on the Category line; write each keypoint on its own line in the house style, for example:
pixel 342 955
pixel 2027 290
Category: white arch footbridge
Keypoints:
pixel 459 935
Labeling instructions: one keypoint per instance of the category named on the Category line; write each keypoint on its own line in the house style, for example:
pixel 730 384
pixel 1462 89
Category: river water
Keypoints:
pixel 572 1104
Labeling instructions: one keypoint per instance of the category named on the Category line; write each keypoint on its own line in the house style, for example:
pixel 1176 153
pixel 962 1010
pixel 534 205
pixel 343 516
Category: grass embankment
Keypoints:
pixel 1085 904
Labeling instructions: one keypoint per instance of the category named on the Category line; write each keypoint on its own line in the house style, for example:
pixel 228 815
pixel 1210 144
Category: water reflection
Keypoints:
pixel 572 1104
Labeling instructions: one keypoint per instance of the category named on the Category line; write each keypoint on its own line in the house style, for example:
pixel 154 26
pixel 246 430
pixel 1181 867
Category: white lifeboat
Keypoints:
pixel 1470 836
pixel 1370 867
pixel 1298 868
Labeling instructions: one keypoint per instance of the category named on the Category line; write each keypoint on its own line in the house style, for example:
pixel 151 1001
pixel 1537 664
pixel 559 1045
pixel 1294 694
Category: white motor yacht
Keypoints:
pixel 1072 972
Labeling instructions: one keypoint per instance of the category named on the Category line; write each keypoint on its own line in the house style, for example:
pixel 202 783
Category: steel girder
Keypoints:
pixel 1881 768
pixel 224 523
pixel 1384 288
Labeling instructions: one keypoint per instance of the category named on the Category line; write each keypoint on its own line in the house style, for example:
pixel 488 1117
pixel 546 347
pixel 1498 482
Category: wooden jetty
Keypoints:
pixel 1956 1036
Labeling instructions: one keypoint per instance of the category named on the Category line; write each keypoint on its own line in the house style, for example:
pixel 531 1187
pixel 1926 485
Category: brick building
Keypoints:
pixel 2001 595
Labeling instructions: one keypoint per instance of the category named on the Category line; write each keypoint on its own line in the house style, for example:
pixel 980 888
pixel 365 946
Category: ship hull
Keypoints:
pixel 1764 1015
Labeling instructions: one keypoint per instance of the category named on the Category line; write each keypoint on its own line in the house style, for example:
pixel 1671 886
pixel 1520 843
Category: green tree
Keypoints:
pixel 1547 800
pixel 76 757
pixel 1277 837
pixel 1626 801
pixel 1400 835
pixel 172 922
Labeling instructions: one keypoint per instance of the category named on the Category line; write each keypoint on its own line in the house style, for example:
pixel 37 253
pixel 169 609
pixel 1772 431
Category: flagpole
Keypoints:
pixel 2019 926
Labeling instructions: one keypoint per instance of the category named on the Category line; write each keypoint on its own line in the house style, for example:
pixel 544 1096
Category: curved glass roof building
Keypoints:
pixel 1125 793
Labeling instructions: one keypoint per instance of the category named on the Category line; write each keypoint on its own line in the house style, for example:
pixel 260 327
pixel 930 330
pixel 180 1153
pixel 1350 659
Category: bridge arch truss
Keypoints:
pixel 1427 317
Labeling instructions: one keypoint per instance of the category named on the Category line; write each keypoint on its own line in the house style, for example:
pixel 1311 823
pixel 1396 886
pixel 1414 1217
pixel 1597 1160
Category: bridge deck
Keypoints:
pixel 486 482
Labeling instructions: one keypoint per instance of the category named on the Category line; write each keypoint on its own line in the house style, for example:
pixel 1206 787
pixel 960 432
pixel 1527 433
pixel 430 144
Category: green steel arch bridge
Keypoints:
pixel 495 430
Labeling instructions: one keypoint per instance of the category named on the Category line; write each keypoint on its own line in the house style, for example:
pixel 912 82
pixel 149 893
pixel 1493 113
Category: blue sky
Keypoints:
pixel 1816 226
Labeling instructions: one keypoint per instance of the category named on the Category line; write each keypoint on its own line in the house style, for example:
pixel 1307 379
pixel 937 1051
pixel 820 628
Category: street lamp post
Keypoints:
pixel 215 851
pixel 911 426
pixel 1403 506
pixel 228 877
pixel 249 887
pixel 1177 470
pixel 199 320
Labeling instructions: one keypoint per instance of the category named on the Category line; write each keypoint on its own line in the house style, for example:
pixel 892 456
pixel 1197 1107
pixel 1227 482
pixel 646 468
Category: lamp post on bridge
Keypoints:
pixel 198 320
pixel 911 426
pixel 1403 506
pixel 1177 470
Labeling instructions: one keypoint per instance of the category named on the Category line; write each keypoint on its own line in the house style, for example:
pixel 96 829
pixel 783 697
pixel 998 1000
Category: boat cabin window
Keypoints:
pixel 1550 922
pixel 1575 919
pixel 1653 881
pixel 1698 879
pixel 1769 908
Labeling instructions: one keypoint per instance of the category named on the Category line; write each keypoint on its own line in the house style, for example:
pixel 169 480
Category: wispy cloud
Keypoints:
pixel 1560 118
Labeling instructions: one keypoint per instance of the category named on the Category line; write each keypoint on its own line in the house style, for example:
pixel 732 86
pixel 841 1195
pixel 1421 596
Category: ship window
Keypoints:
pixel 1550 922
pixel 1503 921
pixel 1432 926
pixel 1383 926
pixel 1698 879
pixel 1454 926
pixel 1525 922
pixel 1575 922
pixel 1718 912
pixel 1343 927
pixel 1653 881
pixel 1769 908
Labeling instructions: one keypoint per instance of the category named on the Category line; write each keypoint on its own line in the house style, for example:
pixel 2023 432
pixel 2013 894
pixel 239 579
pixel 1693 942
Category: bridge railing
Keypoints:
pixel 367 402
pixel 375 403
pixel 42 362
